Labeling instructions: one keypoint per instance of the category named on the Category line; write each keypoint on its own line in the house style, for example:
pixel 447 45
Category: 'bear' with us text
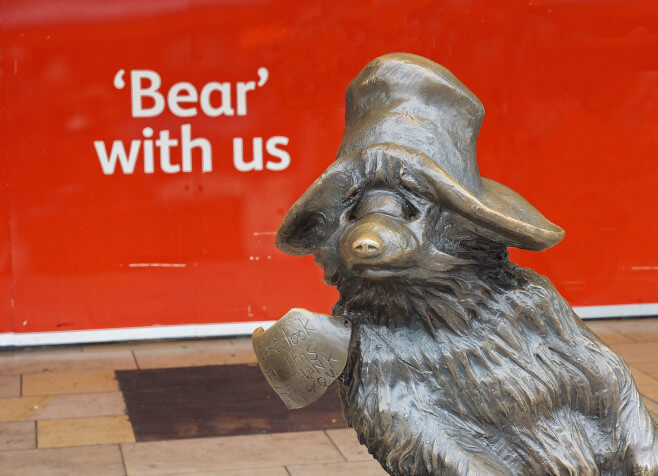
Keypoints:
pixel 183 99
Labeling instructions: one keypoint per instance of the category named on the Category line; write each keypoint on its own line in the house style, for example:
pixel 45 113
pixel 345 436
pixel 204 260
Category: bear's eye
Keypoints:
pixel 410 211
pixel 351 198
pixel 351 213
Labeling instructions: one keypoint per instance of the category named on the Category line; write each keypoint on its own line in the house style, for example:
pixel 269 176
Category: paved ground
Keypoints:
pixel 61 412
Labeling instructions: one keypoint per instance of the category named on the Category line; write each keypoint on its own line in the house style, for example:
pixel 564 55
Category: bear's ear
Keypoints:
pixel 303 233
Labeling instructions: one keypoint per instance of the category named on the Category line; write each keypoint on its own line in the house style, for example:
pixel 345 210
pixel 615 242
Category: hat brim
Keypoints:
pixel 494 206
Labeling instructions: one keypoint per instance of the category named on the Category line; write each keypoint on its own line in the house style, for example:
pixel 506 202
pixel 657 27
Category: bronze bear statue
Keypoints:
pixel 460 361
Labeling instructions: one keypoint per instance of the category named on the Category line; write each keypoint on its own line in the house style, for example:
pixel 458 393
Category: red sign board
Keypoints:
pixel 150 149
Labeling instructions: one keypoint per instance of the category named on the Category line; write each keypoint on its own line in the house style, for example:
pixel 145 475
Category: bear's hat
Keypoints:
pixel 411 122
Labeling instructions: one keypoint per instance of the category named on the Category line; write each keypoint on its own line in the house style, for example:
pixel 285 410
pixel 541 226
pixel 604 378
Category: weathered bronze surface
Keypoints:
pixel 460 362
pixel 302 354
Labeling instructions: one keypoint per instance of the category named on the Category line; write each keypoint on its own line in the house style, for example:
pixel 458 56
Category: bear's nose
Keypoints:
pixel 366 247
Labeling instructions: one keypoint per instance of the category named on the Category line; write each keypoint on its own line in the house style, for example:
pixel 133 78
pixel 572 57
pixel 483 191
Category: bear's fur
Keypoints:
pixel 482 368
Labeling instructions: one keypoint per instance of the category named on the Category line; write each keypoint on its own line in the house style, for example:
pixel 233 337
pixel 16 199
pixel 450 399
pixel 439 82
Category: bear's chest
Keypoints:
pixel 493 377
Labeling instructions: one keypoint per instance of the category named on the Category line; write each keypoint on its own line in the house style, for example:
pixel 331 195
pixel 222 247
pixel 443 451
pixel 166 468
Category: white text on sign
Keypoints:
pixel 183 99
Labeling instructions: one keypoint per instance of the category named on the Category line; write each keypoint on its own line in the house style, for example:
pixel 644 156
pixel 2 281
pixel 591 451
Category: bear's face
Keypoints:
pixel 391 233
pixel 381 233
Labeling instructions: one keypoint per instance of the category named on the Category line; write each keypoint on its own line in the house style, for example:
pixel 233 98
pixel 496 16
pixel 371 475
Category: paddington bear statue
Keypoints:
pixel 458 361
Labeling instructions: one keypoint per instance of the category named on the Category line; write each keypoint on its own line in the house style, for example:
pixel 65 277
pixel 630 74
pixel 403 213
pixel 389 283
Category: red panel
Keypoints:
pixel 571 90
pixel 5 245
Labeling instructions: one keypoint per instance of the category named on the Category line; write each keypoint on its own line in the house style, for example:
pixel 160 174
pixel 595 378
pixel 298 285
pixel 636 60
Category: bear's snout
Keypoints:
pixel 367 247
pixel 378 242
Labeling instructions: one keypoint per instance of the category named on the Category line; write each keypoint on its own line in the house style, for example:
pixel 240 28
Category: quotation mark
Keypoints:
pixel 263 75
pixel 119 82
